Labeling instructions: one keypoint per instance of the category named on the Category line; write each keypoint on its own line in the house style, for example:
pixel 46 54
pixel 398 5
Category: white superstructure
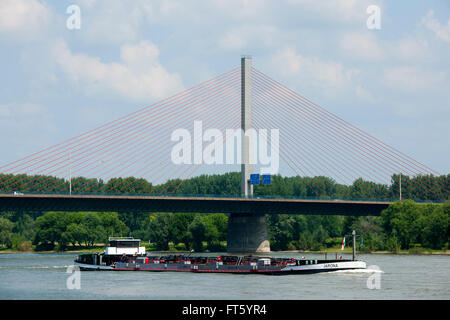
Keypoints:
pixel 127 246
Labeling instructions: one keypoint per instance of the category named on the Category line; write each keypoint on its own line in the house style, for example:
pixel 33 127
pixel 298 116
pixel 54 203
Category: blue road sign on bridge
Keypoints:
pixel 254 178
pixel 266 179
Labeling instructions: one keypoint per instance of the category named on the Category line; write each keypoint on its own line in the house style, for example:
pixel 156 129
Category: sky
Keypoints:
pixel 392 82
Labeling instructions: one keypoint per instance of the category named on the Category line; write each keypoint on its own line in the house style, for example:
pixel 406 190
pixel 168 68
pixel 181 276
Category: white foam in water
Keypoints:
pixel 368 270
pixel 34 267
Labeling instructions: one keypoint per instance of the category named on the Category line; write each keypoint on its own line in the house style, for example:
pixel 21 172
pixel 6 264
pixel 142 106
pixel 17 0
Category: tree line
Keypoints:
pixel 417 188
pixel 58 230
pixel 404 225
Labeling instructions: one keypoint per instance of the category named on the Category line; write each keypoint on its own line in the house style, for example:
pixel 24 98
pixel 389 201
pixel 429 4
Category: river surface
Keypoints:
pixel 46 276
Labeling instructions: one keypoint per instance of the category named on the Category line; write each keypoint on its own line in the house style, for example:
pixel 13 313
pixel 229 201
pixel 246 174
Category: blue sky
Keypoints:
pixel 393 83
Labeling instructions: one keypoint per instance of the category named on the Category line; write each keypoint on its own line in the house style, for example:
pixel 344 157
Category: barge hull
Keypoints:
pixel 269 270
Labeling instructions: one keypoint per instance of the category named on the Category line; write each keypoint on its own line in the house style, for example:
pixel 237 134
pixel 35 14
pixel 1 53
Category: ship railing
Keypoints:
pixel 123 238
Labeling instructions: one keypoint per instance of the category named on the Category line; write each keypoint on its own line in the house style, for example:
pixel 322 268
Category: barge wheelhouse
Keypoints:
pixel 119 249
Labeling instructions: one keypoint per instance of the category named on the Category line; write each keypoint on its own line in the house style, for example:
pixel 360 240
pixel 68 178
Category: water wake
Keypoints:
pixel 368 270
pixel 33 267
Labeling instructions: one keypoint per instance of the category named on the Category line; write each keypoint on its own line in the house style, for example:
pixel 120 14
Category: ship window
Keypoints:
pixel 124 244
pixel 127 244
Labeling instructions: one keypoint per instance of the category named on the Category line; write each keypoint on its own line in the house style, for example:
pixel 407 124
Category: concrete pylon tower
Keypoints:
pixel 247 232
pixel 246 124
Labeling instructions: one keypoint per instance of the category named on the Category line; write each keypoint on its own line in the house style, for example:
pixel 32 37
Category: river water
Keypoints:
pixel 45 276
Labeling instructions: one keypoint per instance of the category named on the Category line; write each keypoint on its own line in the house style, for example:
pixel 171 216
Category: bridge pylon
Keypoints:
pixel 247 232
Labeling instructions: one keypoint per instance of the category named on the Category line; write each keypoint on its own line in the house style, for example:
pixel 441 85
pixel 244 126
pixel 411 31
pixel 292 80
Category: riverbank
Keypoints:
pixel 329 251
pixel 400 252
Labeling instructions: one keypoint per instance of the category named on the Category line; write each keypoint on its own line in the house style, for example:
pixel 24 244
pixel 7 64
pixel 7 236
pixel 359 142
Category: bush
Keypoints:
pixel 333 242
pixel 24 246
pixel 305 242
pixel 216 246
pixel 180 247
pixel 6 235
pixel 417 249
pixel 316 246
pixel 19 243
pixel 159 231
pixel 393 245
pixel 44 247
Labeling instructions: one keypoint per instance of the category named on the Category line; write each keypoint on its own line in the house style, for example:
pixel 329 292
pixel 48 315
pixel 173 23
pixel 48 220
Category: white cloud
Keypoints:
pixel 119 22
pixel 111 22
pixel 240 9
pixel 341 11
pixel 245 36
pixel 323 79
pixel 441 31
pixel 365 46
pixel 20 116
pixel 363 94
pixel 87 3
pixel 411 49
pixel 414 79
pixel 362 45
pixel 311 70
pixel 23 17
pixel 139 75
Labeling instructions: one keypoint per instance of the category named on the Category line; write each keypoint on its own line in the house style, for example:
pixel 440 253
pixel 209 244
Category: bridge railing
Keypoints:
pixel 209 196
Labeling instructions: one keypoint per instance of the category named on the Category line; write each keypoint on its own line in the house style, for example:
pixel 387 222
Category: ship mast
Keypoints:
pixel 354 244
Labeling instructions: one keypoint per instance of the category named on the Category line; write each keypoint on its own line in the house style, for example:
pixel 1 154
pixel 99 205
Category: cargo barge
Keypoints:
pixel 126 254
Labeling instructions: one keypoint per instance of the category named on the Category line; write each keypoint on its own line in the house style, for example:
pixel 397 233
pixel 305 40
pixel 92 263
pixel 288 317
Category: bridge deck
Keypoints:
pixel 33 202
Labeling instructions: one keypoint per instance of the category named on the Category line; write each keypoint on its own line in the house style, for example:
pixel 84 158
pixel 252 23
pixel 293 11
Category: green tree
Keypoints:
pixel 280 230
pixel 349 224
pixel 392 244
pixel 112 225
pixel 320 235
pixel 305 241
pixel 159 230
pixel 24 226
pixel 50 228
pixel 179 228
pixel 94 230
pixel 402 220
pixel 197 230
pixel 6 234
pixel 331 225
pixel 299 226
pixel 219 225
pixel 76 234
pixel 435 228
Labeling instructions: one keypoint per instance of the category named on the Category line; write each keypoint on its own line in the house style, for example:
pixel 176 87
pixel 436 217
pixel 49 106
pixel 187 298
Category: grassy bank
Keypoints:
pixel 399 252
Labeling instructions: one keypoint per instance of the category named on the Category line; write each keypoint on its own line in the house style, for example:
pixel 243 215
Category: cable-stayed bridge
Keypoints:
pixel 242 120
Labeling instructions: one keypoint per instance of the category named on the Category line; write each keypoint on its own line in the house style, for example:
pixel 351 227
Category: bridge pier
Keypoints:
pixel 247 233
